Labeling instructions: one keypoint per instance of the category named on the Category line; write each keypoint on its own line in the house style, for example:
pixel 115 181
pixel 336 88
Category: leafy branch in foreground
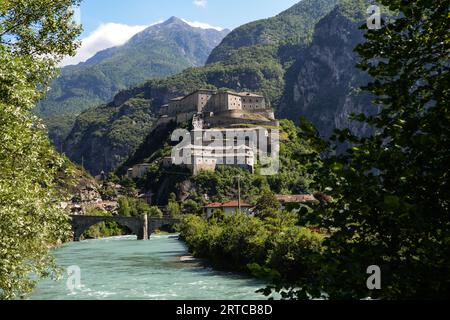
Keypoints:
pixel 34 36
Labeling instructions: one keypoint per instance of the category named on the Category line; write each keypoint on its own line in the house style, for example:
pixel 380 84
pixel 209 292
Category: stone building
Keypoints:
pixel 227 208
pixel 204 158
pixel 209 148
pixel 218 106
pixel 232 127
pixel 184 108
pixel 229 100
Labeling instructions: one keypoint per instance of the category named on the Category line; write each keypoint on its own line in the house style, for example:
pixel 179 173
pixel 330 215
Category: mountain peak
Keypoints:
pixel 174 20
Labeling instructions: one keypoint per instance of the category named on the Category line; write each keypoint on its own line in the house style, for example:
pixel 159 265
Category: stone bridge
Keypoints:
pixel 142 226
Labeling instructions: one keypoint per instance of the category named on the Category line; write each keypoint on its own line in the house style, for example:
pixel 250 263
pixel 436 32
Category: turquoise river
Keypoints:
pixel 122 268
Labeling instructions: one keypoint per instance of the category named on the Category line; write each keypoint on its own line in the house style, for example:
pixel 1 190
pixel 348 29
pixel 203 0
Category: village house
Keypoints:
pixel 228 208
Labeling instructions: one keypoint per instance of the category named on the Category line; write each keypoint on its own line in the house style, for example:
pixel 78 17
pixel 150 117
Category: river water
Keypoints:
pixel 122 268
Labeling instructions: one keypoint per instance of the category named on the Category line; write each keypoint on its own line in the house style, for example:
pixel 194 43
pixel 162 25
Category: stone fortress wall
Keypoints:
pixel 219 108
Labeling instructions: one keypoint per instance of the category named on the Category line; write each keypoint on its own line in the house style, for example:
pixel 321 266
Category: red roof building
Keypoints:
pixel 227 207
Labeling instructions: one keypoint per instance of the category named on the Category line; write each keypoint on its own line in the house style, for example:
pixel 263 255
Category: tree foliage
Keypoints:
pixel 275 248
pixel 391 189
pixel 133 207
pixel 31 31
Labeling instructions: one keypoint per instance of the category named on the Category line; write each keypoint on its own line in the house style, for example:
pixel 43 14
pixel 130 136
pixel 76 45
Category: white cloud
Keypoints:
pixel 202 25
pixel 201 3
pixel 105 36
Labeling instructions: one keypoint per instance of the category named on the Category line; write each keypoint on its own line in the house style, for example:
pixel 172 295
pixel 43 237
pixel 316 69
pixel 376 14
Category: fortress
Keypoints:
pixel 228 128
pixel 219 108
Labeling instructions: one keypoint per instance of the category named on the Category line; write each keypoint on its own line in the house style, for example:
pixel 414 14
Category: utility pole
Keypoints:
pixel 239 193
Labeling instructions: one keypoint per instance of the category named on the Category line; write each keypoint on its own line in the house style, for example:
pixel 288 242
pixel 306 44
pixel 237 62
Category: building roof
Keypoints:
pixel 194 92
pixel 177 99
pixel 249 94
pixel 230 204
pixel 201 90
pixel 242 94
pixel 295 198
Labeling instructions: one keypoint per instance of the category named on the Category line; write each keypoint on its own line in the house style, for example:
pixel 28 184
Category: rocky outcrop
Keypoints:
pixel 324 82
pixel 83 194
pixel 106 136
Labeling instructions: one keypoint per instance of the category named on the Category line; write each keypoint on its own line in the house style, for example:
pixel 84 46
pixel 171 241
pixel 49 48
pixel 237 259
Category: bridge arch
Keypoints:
pixel 137 225
pixel 142 226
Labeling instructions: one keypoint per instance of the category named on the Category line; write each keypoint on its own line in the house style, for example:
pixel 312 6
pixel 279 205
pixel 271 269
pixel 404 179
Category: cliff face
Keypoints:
pixel 106 136
pixel 323 85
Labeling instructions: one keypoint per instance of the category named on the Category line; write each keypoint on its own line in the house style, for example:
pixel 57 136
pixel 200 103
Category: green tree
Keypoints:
pixel 140 207
pixel 132 207
pixel 124 207
pixel 129 186
pixel 193 207
pixel 267 204
pixel 173 207
pixel 391 189
pixel 113 178
pixel 34 36
pixel 155 212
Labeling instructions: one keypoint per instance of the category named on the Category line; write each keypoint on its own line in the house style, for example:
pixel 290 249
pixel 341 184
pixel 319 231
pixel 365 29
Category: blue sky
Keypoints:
pixel 144 12
pixel 109 23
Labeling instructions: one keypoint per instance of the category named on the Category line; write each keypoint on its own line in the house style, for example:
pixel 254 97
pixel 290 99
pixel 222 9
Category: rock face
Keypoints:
pixel 323 85
pixel 88 194
pixel 104 137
